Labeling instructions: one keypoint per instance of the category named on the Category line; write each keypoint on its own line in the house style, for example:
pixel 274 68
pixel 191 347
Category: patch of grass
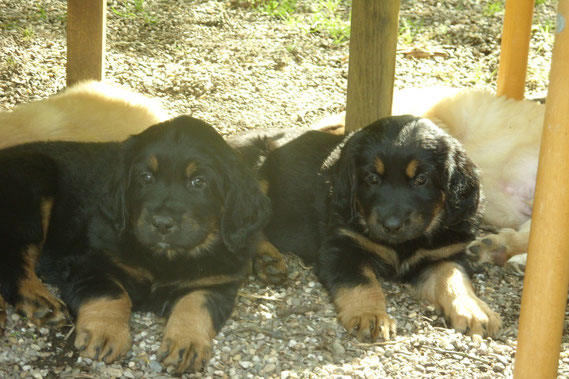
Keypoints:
pixel 409 29
pixel 331 17
pixel 27 33
pixel 493 8
pixel 133 9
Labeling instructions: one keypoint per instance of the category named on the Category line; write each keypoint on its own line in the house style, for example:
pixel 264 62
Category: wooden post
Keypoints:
pixel 514 51
pixel 544 298
pixel 86 24
pixel 373 44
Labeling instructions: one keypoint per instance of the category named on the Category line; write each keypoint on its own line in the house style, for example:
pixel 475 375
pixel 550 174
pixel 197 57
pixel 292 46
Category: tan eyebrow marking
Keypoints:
pixel 153 163
pixel 191 168
pixel 411 169
pixel 379 167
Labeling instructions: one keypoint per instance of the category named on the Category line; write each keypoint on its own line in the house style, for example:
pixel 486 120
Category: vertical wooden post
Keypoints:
pixel 373 44
pixel 86 24
pixel 516 33
pixel 544 298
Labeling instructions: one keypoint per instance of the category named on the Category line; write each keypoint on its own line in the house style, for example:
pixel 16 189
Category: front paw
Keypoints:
pixel 103 329
pixel 269 264
pixel 369 325
pixel 188 335
pixel 184 351
pixel 362 310
pixel 39 305
pixel 472 316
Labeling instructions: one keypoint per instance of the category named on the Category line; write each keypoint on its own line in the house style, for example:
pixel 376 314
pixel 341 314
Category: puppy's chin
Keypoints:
pixel 188 243
pixel 377 233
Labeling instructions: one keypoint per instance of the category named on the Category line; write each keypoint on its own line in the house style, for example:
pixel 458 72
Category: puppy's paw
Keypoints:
pixel 517 264
pixel 362 310
pixel 184 350
pixel 369 325
pixel 269 264
pixel 103 329
pixel 492 248
pixel 472 316
pixel 39 305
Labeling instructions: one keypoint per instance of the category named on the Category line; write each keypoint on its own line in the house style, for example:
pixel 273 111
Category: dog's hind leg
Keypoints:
pixel 499 248
pixel 25 207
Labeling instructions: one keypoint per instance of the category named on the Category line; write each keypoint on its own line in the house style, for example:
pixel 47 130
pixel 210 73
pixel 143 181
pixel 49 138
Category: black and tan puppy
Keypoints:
pixel 166 221
pixel 397 200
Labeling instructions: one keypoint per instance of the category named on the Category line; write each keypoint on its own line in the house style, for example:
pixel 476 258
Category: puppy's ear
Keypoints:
pixel 343 180
pixel 246 208
pixel 461 186
pixel 114 205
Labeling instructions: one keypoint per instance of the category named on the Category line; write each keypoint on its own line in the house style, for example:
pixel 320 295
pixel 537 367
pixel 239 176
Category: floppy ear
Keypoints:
pixel 246 208
pixel 461 186
pixel 113 205
pixel 344 181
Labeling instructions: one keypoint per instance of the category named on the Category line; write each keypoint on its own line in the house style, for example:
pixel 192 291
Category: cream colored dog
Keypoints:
pixel 502 137
pixel 88 111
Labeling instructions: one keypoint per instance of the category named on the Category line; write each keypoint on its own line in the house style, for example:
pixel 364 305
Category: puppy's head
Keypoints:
pixel 181 188
pixel 403 177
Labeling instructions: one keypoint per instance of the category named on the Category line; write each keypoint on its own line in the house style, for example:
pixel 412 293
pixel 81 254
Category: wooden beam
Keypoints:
pixel 544 297
pixel 516 33
pixel 373 44
pixel 86 25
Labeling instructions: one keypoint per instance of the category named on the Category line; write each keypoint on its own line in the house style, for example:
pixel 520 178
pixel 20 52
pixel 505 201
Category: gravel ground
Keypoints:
pixel 240 69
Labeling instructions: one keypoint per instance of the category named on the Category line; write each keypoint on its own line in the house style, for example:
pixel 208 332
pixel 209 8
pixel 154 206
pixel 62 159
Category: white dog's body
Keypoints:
pixel 89 111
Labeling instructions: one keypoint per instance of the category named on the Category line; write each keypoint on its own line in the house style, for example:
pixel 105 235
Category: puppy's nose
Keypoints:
pixel 393 224
pixel 164 224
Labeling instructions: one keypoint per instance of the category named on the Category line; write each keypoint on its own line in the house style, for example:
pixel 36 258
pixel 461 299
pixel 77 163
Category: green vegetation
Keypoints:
pixel 330 17
pixel 133 9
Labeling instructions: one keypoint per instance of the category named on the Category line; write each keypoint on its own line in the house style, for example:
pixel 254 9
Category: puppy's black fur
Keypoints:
pixel 166 221
pixel 395 200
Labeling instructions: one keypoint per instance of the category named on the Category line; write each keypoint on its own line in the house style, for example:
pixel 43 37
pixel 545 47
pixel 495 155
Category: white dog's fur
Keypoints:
pixel 502 136
pixel 88 111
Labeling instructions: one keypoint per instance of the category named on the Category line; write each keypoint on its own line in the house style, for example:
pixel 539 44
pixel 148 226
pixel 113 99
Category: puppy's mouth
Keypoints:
pixel 395 233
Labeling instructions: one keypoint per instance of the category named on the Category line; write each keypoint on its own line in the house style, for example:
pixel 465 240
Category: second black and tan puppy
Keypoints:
pixel 165 221
pixel 398 200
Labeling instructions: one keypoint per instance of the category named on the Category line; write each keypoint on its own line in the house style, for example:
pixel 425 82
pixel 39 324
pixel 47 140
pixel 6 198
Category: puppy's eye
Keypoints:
pixel 146 178
pixel 373 179
pixel 420 180
pixel 198 182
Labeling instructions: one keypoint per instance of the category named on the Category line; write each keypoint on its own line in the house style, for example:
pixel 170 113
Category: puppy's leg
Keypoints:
pixel 103 327
pixel 448 287
pixel 2 313
pixel 24 218
pixel 194 321
pixel 34 300
pixel 269 264
pixel 499 248
pixel 362 308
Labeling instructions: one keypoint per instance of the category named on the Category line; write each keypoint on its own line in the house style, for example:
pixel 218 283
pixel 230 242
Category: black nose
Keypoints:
pixel 393 224
pixel 164 224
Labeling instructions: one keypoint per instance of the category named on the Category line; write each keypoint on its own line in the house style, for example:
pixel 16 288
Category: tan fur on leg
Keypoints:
pixel 103 328
pixel 2 313
pixel 362 309
pixel 188 334
pixel 447 286
pixel 36 302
